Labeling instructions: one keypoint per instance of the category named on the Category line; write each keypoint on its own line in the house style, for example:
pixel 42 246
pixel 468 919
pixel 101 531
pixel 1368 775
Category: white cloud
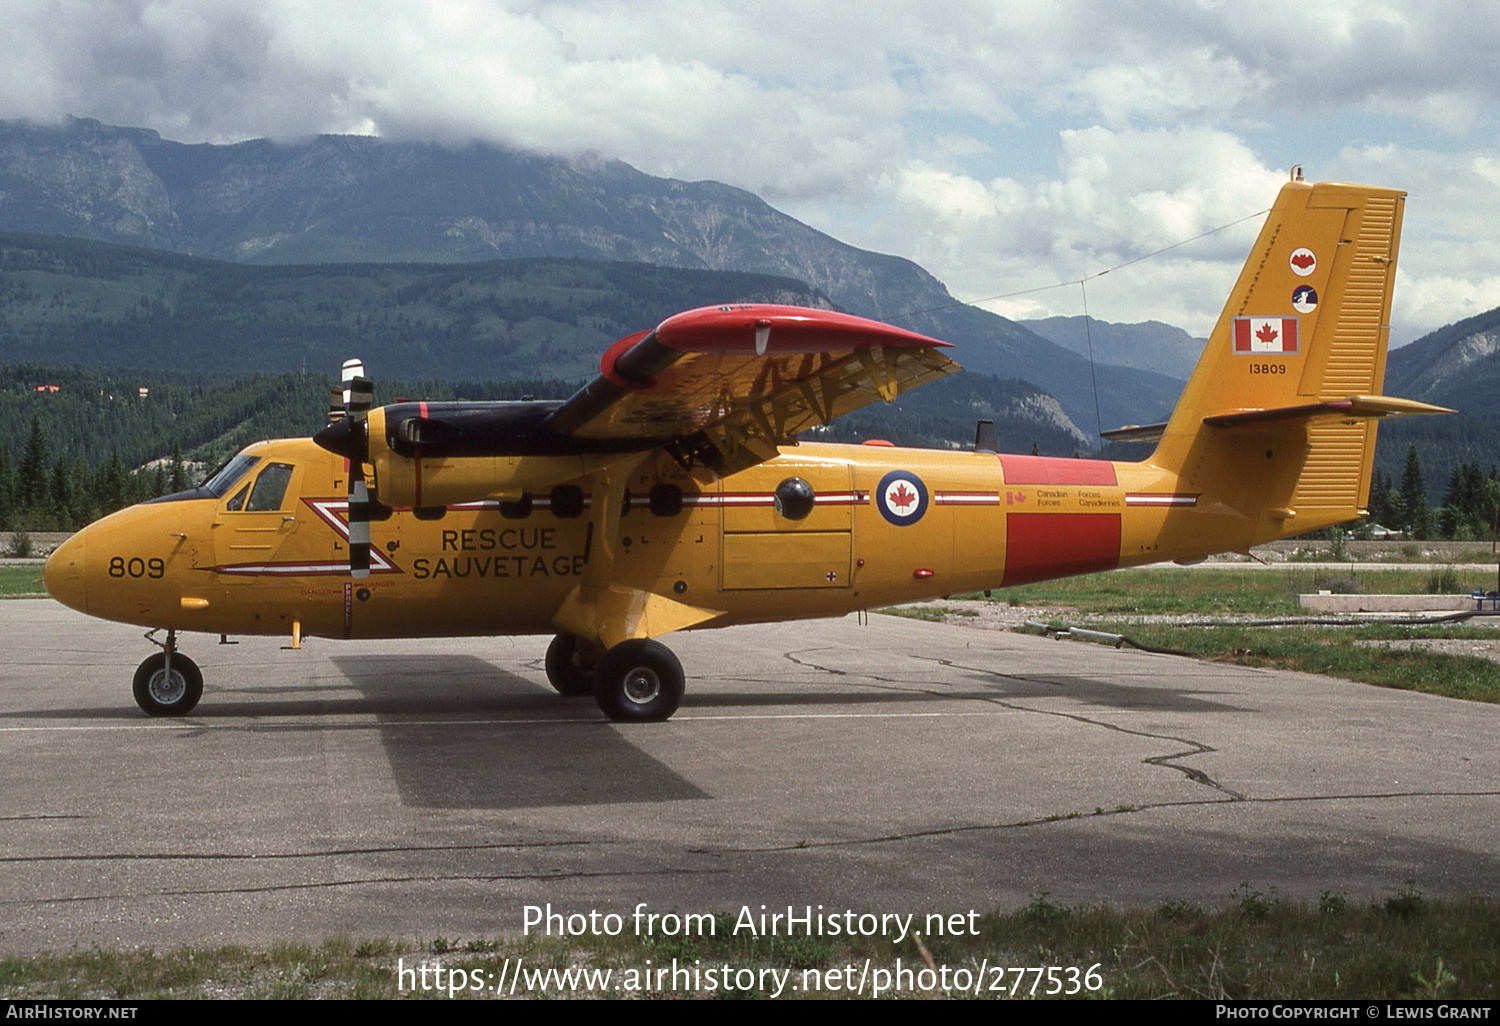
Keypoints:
pixel 1118 196
pixel 997 143
pixel 1450 249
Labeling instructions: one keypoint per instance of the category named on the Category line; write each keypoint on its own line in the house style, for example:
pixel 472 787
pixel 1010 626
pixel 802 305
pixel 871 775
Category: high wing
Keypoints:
pixel 720 387
pixel 726 385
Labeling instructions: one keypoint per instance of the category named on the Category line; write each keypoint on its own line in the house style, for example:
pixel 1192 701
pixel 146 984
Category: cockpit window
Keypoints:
pixel 225 478
pixel 270 488
pixel 237 503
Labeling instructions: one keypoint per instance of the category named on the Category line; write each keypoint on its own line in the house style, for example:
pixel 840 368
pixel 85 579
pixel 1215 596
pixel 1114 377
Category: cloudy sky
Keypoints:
pixel 1004 145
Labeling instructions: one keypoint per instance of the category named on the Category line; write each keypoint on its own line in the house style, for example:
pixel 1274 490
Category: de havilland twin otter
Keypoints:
pixel 670 493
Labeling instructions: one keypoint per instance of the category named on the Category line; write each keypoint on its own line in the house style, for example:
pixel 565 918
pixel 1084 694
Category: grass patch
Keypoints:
pixel 1367 654
pixel 22 580
pixel 1258 946
pixel 1270 591
pixel 929 612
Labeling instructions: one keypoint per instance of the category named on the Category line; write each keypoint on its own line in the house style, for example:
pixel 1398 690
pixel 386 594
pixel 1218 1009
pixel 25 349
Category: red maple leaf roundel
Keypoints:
pixel 901 496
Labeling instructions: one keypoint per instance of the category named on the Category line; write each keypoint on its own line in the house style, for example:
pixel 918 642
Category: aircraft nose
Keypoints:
pixel 64 576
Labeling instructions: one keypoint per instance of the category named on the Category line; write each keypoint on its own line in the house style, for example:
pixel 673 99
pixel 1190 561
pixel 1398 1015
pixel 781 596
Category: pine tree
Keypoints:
pixel 110 485
pixel 31 473
pixel 60 494
pixel 1416 521
pixel 177 477
pixel 1379 504
pixel 1464 513
pixel 7 487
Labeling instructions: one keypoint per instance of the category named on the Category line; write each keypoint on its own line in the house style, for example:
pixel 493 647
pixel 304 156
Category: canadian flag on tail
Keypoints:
pixel 1265 334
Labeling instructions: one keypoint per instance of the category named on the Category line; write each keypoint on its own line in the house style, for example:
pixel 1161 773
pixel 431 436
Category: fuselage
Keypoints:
pixel 265 550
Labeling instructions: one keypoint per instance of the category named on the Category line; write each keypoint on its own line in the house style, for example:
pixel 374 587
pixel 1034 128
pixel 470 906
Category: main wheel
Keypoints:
pixel 161 693
pixel 638 681
pixel 570 665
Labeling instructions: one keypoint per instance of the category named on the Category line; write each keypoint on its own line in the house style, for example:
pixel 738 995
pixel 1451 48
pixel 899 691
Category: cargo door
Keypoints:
pixel 766 549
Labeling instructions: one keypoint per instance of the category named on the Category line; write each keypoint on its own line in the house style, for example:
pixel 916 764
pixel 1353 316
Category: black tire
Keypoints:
pixel 638 681
pixel 570 665
pixel 159 696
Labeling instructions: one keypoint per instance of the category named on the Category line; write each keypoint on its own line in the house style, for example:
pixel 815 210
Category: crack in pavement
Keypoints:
pixel 1167 761
pixel 273 856
pixel 23 818
pixel 1097 814
pixel 329 884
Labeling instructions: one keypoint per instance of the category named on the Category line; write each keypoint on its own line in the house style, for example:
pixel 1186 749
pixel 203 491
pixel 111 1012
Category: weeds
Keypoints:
pixel 1259 945
pixel 1443 582
pixel 1338 585
pixel 1407 903
pixel 1436 987
pixel 1332 904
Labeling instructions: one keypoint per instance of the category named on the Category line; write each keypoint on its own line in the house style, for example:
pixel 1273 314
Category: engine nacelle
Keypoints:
pixel 427 455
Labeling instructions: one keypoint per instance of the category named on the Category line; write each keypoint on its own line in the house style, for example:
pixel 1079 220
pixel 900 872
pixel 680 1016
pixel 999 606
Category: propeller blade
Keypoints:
pixel 353 368
pixel 361 393
pixel 359 522
pixel 352 439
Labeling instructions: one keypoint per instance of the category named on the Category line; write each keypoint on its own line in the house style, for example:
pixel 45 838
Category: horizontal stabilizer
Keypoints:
pixel 1134 433
pixel 1359 407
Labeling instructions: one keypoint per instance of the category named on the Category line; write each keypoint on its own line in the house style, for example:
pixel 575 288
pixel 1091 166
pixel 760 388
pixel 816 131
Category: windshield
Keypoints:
pixel 225 477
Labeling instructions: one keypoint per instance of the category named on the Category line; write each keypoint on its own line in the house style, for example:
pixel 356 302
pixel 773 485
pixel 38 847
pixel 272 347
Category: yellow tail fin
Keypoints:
pixel 1278 416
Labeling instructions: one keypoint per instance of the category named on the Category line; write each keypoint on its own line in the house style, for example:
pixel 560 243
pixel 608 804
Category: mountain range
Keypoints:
pixel 1149 345
pixel 434 252
pixel 341 199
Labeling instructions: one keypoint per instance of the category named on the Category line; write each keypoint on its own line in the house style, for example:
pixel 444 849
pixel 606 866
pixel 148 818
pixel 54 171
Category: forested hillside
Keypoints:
pixel 76 443
pixel 336 199
pixel 73 301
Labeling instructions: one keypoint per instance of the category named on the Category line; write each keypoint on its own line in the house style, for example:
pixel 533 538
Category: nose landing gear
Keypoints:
pixel 167 683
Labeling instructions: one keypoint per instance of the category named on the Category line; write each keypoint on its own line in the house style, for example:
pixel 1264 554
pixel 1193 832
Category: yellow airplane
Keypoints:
pixel 670 493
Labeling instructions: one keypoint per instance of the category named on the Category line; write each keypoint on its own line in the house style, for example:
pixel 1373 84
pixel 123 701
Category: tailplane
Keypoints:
pixel 1277 421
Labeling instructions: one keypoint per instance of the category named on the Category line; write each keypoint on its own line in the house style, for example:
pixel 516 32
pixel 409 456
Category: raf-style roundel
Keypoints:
pixel 901 498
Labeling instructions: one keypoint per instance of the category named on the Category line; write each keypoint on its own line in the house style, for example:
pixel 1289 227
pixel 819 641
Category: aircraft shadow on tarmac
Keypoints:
pixel 457 686
pixel 1112 694
pixel 484 765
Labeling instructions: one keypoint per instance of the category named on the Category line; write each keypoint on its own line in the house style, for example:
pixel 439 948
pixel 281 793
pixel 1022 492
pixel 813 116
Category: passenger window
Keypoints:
pixel 270 488
pixel 567 501
pixel 666 500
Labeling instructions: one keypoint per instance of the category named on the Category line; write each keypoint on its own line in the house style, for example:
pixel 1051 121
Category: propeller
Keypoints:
pixel 347 435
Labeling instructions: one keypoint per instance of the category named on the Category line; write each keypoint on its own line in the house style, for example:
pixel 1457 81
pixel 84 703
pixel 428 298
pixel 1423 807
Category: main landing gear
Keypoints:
pixel 168 683
pixel 570 665
pixel 637 681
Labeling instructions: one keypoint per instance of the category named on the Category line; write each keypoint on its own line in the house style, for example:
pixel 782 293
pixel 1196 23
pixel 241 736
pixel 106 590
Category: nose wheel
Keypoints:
pixel 638 681
pixel 163 690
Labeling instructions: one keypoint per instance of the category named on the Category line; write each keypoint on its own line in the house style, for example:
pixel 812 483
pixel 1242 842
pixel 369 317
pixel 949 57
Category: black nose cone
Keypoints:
pixel 342 438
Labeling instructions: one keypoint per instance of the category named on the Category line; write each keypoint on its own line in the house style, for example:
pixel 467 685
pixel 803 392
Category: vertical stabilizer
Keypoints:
pixel 1267 420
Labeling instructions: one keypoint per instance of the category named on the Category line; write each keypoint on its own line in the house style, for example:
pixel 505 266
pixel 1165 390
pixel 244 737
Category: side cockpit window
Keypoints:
pixel 270 488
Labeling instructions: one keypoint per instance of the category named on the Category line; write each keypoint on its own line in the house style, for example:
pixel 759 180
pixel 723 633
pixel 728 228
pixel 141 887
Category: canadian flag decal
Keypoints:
pixel 1265 334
